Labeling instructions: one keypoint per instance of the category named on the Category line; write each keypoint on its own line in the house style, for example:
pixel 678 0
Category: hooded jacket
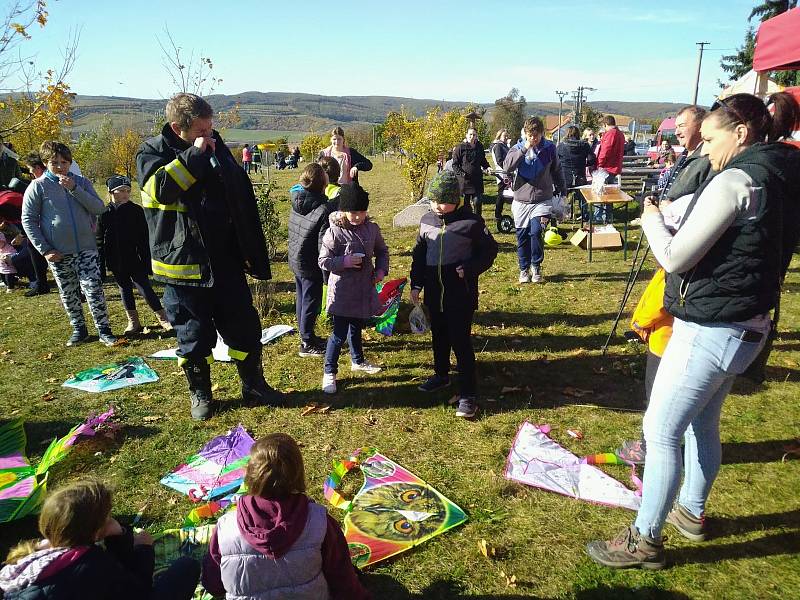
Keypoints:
pixel 575 156
pixel 738 277
pixel 351 292
pixel 57 219
pixel 120 572
pixel 538 171
pixel 459 238
pixel 270 546
pixel 193 210
pixel 308 222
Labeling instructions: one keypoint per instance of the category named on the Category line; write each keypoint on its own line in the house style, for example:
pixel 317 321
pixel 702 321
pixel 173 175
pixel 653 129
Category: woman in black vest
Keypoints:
pixel 723 268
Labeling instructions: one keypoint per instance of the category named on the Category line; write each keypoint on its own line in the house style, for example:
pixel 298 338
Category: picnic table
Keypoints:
pixel 611 195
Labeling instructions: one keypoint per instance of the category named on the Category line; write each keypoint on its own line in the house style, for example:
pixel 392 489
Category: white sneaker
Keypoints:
pixel 524 277
pixel 536 275
pixel 365 367
pixel 329 383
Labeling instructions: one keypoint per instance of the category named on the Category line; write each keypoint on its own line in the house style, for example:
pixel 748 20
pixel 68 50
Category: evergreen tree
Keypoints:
pixel 509 113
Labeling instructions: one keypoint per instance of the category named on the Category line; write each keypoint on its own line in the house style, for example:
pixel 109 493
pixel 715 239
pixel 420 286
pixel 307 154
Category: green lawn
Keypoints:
pixel 542 339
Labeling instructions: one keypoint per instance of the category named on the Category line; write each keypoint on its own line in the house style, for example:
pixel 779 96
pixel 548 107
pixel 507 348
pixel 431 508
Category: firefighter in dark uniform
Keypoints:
pixel 205 234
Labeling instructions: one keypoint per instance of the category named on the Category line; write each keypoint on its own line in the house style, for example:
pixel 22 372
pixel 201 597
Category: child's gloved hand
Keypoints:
pixel 378 276
pixel 415 296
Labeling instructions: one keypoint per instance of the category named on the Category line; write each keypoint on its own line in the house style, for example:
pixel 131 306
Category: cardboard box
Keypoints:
pixel 611 240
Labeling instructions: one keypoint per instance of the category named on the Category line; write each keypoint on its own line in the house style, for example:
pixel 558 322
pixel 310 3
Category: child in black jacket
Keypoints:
pixel 453 248
pixel 124 248
pixel 69 563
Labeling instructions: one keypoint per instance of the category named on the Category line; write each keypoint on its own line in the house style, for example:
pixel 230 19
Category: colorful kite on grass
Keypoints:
pixel 113 376
pixel 390 294
pixel 220 351
pixel 22 487
pixel 538 461
pixel 392 512
pixel 216 471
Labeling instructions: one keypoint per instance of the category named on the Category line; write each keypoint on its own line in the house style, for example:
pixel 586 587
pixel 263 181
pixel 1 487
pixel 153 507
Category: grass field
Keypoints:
pixel 542 339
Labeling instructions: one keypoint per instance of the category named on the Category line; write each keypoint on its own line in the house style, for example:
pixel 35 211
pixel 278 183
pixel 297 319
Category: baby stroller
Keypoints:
pixel 505 223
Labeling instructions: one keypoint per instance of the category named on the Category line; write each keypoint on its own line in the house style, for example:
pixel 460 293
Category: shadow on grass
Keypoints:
pixel 769 545
pixel 522 319
pixel 605 592
pixel 723 526
pixel 755 452
pixel 387 588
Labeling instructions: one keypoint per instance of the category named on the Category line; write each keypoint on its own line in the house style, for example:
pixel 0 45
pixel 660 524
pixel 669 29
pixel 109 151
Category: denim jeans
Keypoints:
pixel 125 283
pixel 604 213
pixel 530 249
pixel 696 373
pixel 308 300
pixel 344 328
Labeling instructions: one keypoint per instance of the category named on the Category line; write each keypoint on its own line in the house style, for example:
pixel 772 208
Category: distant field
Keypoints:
pixel 259 135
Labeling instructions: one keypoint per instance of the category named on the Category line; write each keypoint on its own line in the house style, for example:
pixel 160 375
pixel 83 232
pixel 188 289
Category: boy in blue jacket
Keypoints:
pixel 453 248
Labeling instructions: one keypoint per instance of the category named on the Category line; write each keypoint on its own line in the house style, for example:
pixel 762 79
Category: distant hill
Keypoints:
pixel 289 112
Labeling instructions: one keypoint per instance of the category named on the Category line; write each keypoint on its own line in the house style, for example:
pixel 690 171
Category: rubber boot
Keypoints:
pixel 134 325
pixel 161 315
pixel 199 376
pixel 255 389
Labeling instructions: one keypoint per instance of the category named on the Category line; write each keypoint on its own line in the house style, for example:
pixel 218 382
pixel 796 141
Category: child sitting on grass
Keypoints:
pixel 58 215
pixel 69 563
pixel 124 246
pixel 453 248
pixel 308 222
pixel 348 248
pixel 278 543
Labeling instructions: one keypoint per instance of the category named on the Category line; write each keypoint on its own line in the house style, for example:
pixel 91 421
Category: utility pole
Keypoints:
pixel 580 99
pixel 560 95
pixel 701 45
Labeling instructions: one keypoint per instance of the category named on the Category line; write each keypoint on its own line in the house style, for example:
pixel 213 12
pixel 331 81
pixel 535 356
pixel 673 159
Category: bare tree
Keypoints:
pixel 188 76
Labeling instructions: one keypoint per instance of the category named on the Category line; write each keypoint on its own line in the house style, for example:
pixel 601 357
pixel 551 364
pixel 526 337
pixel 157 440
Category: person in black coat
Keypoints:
pixel 124 248
pixel 469 163
pixel 499 149
pixel 68 563
pixel 308 222
pixel 575 156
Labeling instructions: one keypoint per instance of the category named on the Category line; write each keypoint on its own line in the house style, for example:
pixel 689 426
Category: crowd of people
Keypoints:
pixel 717 230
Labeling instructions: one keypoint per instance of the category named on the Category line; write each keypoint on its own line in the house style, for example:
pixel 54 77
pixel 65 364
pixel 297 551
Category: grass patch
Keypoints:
pixel 539 338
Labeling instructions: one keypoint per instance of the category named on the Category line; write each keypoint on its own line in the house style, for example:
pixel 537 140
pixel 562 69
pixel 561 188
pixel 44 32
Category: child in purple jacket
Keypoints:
pixel 347 253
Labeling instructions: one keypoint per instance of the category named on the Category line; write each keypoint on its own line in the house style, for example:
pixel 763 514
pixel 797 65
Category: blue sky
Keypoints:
pixel 447 50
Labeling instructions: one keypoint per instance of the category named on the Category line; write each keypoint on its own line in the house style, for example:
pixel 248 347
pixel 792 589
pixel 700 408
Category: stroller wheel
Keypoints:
pixel 505 224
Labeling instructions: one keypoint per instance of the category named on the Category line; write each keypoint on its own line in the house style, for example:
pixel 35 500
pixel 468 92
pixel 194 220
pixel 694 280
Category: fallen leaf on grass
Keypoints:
pixel 51 380
pixel 322 409
pixel 486 549
pixel 215 387
pixel 5 352
pixel 120 342
pixel 176 373
pixel 371 420
pixel 576 392
pixel 48 356
pixel 510 581
pixel 144 396
pixel 576 433
pixel 48 396
pixel 152 418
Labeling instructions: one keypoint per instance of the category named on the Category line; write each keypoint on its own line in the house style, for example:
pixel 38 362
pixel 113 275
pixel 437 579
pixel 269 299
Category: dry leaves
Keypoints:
pixel 322 409
pixel 51 380
pixel 370 419
pixel 487 550
pixel 215 387
pixel 576 433
pixel 48 396
pixel 152 418
pixel 48 356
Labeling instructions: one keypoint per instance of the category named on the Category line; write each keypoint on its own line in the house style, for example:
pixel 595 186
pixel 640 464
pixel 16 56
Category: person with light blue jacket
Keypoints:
pixel 58 215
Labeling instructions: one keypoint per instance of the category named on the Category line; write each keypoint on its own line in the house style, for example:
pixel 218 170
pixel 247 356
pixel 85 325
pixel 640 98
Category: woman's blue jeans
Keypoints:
pixel 696 373
pixel 530 249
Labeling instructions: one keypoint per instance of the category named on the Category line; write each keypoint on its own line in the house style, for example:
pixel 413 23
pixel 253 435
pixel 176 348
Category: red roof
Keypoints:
pixel 778 43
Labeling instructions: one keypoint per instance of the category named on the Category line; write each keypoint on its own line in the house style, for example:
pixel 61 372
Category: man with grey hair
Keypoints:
pixel 205 234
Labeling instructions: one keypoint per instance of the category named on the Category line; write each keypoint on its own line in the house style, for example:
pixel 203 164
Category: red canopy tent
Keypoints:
pixel 778 43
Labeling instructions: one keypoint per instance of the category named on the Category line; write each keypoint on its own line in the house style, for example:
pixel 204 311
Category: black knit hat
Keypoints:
pixel 353 198
pixel 117 181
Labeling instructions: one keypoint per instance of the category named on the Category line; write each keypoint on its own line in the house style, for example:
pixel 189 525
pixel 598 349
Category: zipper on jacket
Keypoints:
pixel 441 253
pixel 74 225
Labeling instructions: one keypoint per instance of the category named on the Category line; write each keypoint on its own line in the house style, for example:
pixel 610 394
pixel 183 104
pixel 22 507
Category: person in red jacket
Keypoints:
pixel 609 158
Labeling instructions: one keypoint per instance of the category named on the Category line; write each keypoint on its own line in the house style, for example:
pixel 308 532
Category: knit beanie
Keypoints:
pixel 353 198
pixel 117 181
pixel 444 188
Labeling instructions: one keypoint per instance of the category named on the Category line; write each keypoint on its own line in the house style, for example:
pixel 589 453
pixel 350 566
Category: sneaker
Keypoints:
pixel 524 276
pixel 78 336
pixel 107 338
pixel 310 349
pixel 629 549
pixel 434 383
pixel 536 274
pixel 365 367
pixel 632 451
pixel 467 407
pixel 329 383
pixel 690 527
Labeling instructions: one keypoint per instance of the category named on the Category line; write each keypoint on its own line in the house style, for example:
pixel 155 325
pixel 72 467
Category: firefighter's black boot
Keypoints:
pixel 255 389
pixel 199 376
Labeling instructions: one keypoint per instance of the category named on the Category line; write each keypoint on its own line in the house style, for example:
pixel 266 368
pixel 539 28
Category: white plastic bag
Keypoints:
pixel 417 320
pixel 599 181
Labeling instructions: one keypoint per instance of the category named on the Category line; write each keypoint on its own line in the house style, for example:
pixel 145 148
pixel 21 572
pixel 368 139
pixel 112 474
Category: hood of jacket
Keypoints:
pixel 272 525
pixel 38 566
pixel 304 200
pixel 338 219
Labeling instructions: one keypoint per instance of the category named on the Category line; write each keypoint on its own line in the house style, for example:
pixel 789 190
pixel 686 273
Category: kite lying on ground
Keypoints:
pixel 392 512
pixel 389 293
pixel 220 351
pixel 538 461
pixel 216 471
pixel 131 371
pixel 22 487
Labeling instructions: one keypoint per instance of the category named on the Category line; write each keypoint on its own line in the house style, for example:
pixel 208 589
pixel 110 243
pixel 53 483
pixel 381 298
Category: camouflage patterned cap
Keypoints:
pixel 444 188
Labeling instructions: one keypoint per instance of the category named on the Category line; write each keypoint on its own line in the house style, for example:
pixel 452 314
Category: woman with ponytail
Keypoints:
pixel 724 266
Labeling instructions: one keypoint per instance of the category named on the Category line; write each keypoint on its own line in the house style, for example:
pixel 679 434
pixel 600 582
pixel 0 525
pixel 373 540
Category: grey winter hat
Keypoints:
pixel 444 188
pixel 353 198
pixel 117 181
